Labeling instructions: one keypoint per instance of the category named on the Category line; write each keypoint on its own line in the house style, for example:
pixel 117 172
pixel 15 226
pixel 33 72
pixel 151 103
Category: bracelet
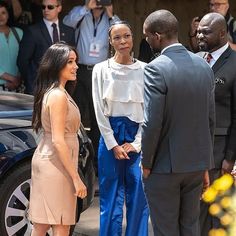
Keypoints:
pixel 111 18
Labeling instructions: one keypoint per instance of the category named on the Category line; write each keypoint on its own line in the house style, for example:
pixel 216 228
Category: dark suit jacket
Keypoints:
pixel 36 40
pixel 225 100
pixel 145 52
pixel 179 113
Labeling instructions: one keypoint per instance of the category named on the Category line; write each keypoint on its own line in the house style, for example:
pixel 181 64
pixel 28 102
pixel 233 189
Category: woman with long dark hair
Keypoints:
pixel 55 180
pixel 118 103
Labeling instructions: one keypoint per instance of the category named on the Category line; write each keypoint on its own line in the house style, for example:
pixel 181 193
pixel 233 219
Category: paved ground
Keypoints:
pixel 89 222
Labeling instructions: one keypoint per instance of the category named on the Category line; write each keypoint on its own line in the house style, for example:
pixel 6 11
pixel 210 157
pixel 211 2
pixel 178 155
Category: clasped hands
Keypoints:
pixel 121 151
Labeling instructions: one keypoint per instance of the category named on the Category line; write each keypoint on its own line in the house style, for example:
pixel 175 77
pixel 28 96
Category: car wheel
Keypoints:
pixel 14 199
pixel 14 203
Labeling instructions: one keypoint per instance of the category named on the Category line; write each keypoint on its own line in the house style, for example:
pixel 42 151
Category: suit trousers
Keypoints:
pixel 121 181
pixel 174 203
pixel 83 98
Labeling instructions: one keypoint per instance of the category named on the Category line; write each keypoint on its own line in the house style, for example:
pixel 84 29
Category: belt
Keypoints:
pixel 66 135
pixel 221 131
pixel 86 67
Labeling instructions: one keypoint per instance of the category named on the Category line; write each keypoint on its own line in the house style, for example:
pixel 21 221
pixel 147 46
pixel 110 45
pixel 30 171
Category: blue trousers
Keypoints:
pixel 121 181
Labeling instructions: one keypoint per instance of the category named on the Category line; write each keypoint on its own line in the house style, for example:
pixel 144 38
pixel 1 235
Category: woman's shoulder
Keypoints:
pixel 141 63
pixel 56 95
pixel 19 31
pixel 101 67
pixel 57 92
pixel 101 64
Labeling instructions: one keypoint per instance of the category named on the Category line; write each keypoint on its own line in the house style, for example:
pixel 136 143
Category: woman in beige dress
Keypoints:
pixel 55 180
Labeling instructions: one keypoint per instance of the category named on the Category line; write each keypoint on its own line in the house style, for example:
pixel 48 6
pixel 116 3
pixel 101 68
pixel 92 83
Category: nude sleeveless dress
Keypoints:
pixel 52 199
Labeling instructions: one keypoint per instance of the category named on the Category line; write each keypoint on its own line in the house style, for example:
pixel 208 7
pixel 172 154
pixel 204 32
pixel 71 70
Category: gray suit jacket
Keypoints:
pixel 179 113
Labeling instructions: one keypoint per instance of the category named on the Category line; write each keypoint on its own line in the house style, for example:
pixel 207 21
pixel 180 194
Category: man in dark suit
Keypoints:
pixel 212 38
pixel 38 38
pixel 178 129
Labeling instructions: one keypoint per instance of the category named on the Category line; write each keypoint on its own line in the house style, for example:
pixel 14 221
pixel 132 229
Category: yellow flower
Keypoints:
pixel 210 194
pixel 214 209
pixel 226 219
pixel 222 198
pixel 226 202
pixel 223 183
pixel 217 232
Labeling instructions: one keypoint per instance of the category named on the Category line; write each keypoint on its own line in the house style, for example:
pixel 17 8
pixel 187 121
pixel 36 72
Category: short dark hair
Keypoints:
pixel 119 22
pixel 163 22
pixel 4 4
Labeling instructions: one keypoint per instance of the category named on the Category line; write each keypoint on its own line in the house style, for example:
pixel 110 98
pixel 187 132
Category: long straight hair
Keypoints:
pixel 53 61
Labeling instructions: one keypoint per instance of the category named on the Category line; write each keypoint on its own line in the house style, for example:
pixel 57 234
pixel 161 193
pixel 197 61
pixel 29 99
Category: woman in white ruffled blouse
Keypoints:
pixel 118 104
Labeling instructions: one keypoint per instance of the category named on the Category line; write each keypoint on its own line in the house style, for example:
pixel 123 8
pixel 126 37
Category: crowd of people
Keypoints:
pixel 163 126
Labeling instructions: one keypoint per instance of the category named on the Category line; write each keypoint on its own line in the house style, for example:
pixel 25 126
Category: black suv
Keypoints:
pixel 17 145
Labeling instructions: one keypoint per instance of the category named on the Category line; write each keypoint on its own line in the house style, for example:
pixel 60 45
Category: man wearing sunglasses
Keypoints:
pixel 221 7
pixel 91 23
pixel 38 38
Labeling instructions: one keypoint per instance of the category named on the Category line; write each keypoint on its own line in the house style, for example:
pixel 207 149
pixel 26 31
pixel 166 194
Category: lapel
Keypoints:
pixel 62 32
pixel 222 60
pixel 45 33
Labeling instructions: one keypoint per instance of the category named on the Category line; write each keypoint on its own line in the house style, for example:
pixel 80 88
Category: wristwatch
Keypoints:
pixel 111 18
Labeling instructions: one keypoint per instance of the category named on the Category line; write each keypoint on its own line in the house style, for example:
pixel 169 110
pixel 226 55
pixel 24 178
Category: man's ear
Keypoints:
pixel 59 8
pixel 223 34
pixel 157 35
pixel 227 6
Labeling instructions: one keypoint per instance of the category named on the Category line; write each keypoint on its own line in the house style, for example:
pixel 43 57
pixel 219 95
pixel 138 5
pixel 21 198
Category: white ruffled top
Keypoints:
pixel 118 91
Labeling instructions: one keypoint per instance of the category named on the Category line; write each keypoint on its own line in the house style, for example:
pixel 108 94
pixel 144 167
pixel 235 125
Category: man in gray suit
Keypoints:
pixel 178 129
pixel 212 38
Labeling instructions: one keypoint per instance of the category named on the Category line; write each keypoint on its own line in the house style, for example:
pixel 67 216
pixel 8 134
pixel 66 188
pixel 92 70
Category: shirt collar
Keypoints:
pixel 49 23
pixel 216 54
pixel 115 65
pixel 172 45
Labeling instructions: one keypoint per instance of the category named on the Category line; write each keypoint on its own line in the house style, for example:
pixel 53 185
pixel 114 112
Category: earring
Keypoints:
pixel 132 56
pixel 111 51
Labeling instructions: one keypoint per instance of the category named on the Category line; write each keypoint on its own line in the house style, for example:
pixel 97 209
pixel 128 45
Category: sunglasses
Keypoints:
pixel 49 7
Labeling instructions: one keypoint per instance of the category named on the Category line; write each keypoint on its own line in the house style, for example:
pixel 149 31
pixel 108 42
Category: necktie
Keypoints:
pixel 55 37
pixel 208 58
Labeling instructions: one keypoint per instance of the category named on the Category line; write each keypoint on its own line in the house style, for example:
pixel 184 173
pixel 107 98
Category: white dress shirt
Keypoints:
pixel 50 28
pixel 216 54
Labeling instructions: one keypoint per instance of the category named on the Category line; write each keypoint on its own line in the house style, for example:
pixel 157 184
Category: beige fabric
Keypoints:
pixel 52 199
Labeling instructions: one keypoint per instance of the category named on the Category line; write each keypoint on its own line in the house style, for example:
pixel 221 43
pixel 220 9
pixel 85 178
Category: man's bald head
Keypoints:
pixel 163 22
pixel 212 32
pixel 215 20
